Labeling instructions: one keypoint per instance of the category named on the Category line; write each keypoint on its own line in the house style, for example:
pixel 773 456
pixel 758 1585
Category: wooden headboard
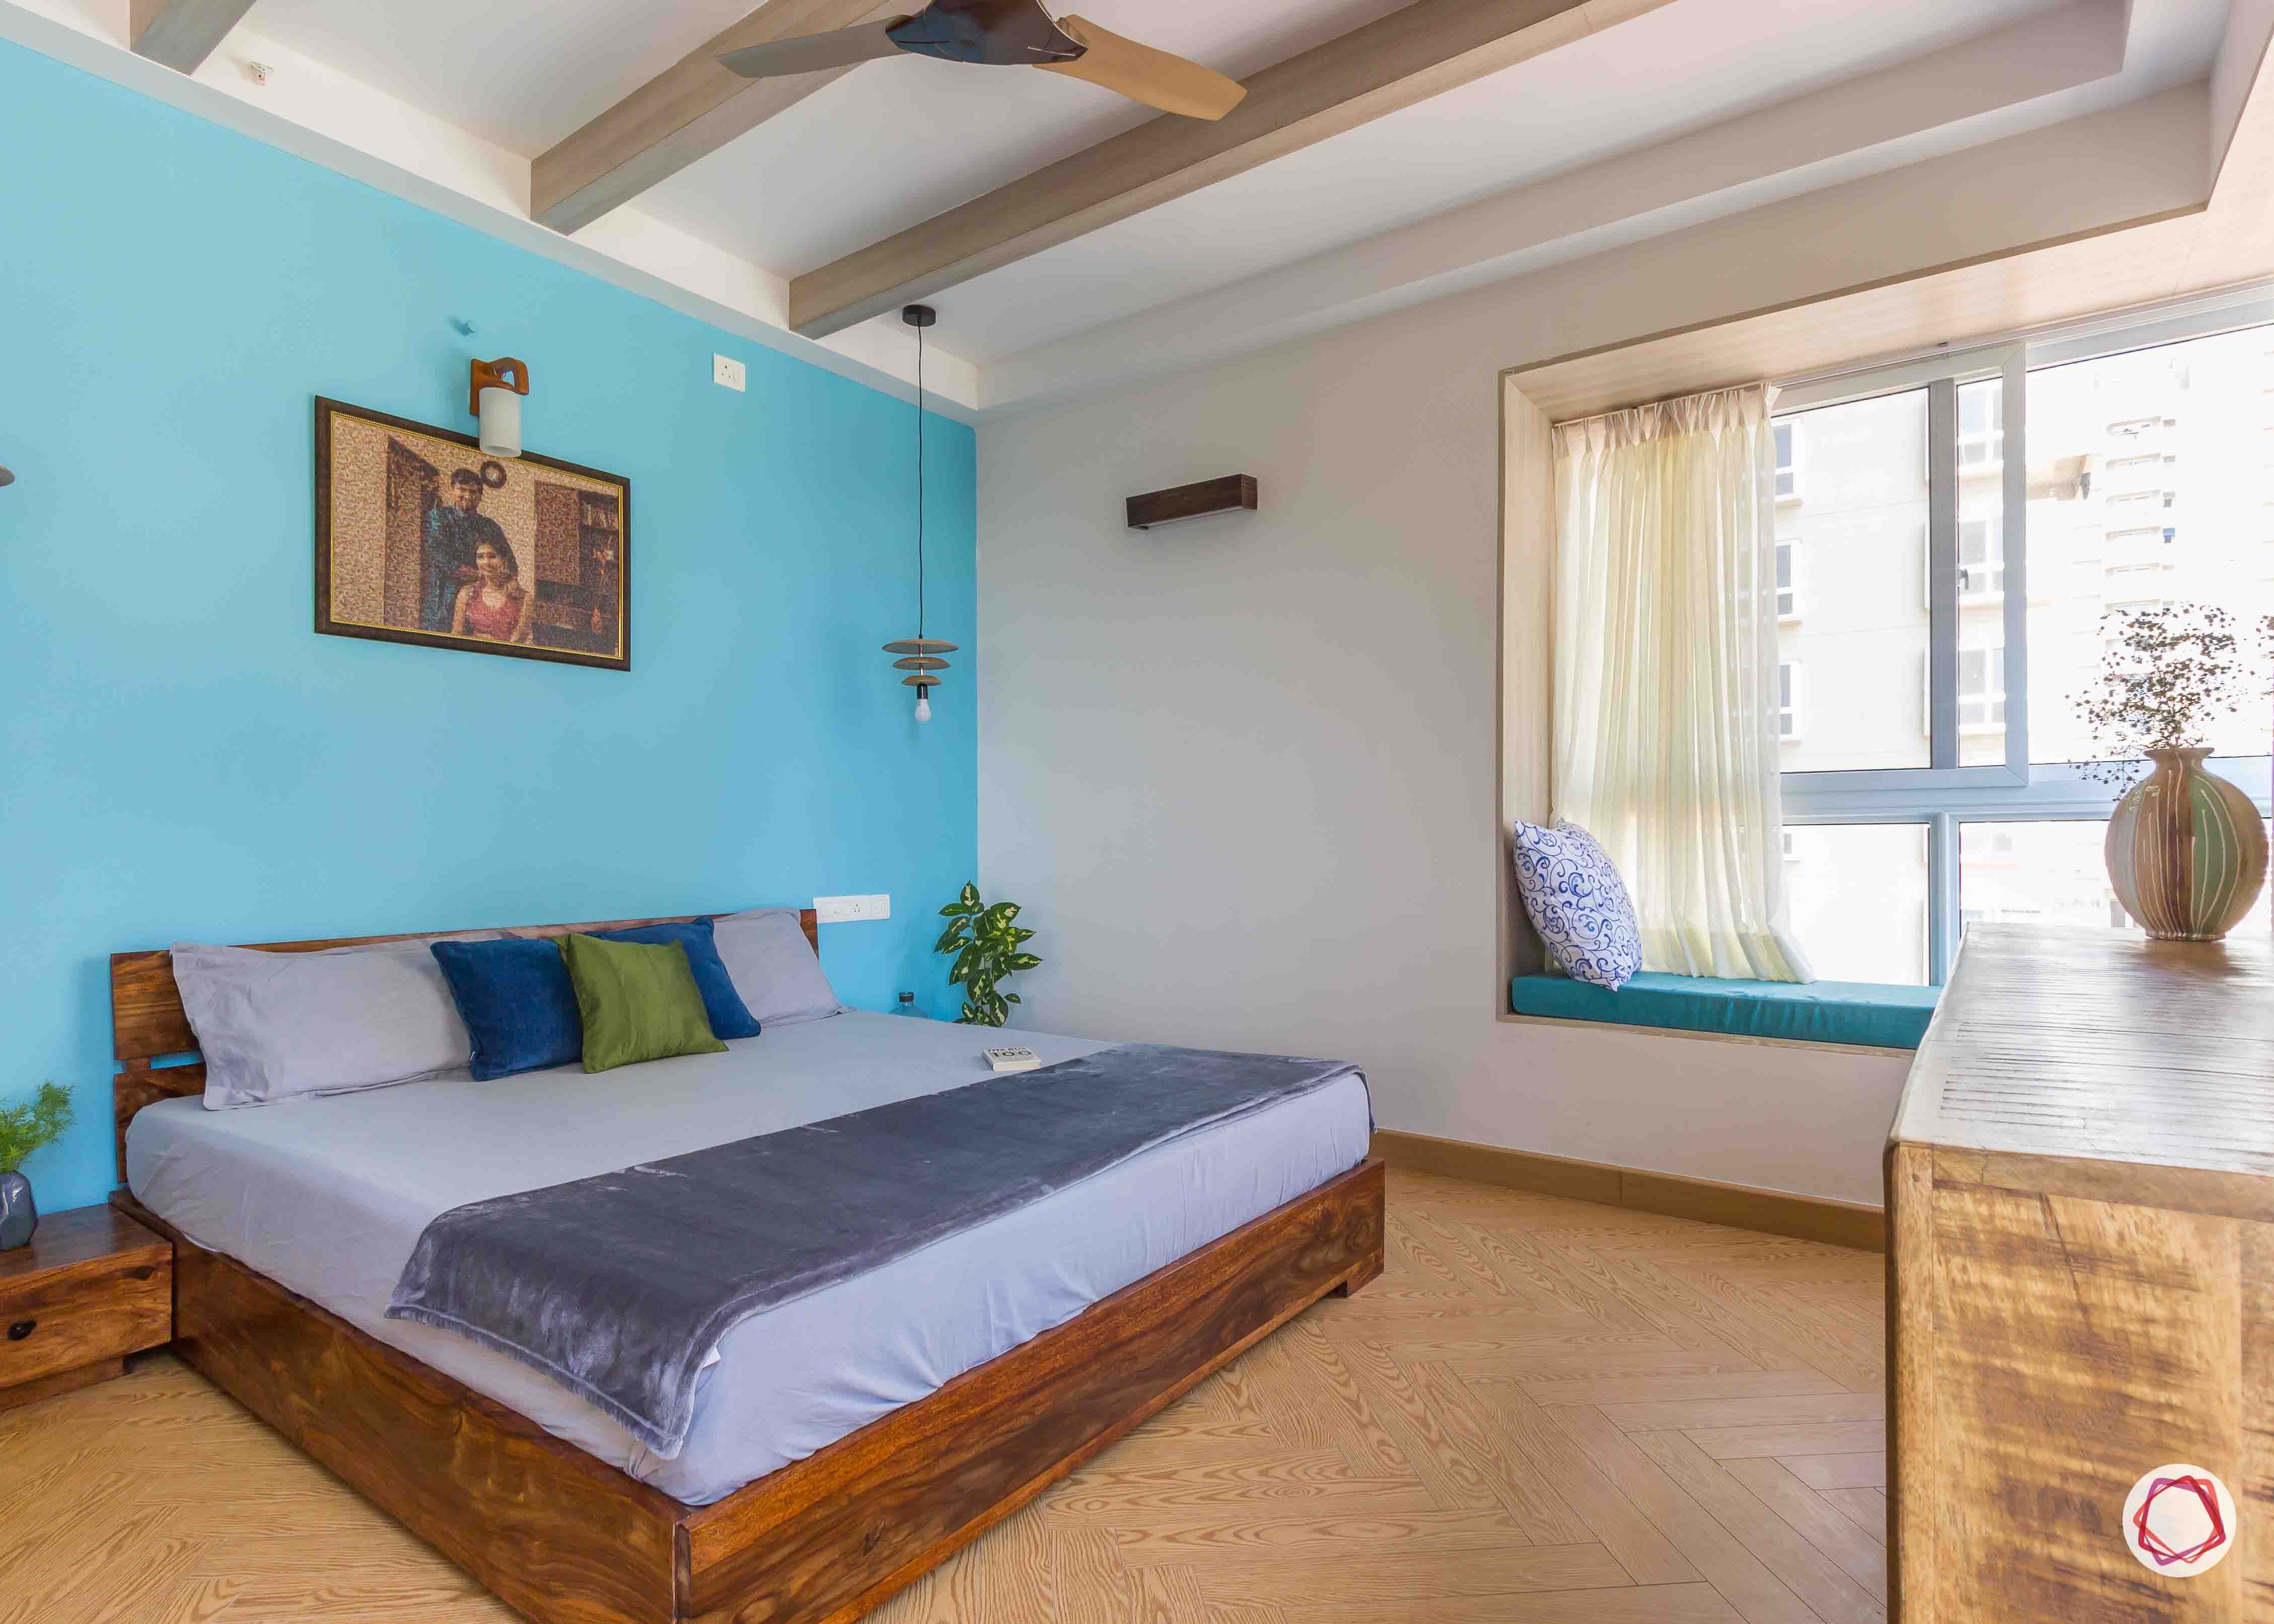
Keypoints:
pixel 148 1023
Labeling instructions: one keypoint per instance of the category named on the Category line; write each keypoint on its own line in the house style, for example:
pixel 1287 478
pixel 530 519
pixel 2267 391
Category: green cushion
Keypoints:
pixel 1816 1011
pixel 639 1001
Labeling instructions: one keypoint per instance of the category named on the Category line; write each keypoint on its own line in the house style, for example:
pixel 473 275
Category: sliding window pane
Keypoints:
pixel 1857 895
pixel 1982 573
pixel 2151 483
pixel 1851 526
pixel 2040 874
pixel 2046 874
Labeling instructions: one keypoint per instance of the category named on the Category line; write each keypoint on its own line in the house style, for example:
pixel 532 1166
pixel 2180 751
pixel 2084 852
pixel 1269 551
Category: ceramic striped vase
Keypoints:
pixel 2185 851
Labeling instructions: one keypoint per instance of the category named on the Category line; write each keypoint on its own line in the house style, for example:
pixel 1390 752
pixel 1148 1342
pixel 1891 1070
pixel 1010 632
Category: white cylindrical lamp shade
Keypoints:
pixel 501 423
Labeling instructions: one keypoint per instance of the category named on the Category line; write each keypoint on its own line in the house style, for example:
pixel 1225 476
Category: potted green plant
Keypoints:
pixel 986 942
pixel 2186 852
pixel 22 1130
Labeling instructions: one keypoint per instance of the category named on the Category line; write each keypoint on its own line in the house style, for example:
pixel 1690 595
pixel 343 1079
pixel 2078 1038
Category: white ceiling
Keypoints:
pixel 897 141
pixel 1576 107
pixel 928 135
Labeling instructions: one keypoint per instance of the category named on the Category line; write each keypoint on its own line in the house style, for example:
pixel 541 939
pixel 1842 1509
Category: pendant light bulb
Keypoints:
pixel 923 705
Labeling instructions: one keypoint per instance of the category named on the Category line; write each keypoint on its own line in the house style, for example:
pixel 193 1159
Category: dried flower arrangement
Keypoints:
pixel 2168 674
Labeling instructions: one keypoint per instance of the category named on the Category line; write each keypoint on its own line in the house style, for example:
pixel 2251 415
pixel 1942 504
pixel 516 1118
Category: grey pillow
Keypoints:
pixel 281 1025
pixel 773 966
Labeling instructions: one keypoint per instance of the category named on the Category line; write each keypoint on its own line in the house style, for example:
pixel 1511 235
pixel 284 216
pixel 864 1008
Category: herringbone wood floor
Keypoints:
pixel 1544 1412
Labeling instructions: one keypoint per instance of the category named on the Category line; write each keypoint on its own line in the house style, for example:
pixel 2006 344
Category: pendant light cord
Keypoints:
pixel 920 488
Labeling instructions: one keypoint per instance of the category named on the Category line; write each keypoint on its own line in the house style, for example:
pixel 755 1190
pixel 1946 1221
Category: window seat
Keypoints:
pixel 1858 1013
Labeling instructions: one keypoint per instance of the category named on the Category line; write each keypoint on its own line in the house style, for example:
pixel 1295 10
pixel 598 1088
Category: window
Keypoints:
pixel 2049 873
pixel 1981 558
pixel 1857 895
pixel 1981 426
pixel 2046 873
pixel 1982 690
pixel 1787 593
pixel 1863 532
pixel 2195 400
pixel 1788 470
pixel 2034 489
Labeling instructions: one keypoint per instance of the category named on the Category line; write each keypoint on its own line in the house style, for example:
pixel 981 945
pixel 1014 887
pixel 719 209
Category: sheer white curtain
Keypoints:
pixel 1665 674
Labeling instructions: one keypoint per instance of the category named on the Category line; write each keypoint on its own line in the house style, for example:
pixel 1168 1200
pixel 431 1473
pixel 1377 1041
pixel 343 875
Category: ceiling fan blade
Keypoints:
pixel 1141 73
pixel 813 53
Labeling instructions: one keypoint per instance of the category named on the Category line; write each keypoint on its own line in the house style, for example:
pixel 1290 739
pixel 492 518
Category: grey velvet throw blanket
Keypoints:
pixel 619 1286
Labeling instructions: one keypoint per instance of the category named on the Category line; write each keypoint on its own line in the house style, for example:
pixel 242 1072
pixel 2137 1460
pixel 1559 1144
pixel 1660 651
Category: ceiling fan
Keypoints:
pixel 1005 34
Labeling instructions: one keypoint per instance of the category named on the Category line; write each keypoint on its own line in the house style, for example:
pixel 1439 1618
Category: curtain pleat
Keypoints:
pixel 1665 674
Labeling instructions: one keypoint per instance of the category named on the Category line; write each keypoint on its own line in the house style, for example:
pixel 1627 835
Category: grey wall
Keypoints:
pixel 1241 772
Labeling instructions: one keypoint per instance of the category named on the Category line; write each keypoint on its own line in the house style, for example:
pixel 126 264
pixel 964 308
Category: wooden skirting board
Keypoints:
pixel 1740 1206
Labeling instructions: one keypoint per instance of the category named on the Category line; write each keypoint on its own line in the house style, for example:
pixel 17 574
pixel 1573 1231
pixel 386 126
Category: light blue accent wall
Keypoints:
pixel 182 758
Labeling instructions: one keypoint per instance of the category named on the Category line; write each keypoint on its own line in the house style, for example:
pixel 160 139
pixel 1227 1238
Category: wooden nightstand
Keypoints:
pixel 93 1287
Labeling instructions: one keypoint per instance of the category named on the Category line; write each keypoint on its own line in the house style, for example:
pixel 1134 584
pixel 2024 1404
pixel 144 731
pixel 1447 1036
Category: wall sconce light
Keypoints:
pixel 494 396
pixel 6 477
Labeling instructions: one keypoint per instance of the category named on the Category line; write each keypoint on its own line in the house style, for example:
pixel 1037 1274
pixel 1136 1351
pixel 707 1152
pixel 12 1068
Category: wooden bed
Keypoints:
pixel 565 1538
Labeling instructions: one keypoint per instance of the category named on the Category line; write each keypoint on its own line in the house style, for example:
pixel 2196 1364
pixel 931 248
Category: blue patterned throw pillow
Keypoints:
pixel 1577 903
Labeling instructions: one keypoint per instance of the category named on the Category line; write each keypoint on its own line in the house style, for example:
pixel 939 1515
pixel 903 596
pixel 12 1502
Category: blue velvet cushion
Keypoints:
pixel 1816 1011
pixel 516 1001
pixel 730 1017
pixel 1578 904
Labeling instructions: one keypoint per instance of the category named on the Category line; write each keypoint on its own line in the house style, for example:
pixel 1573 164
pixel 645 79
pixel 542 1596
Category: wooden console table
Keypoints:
pixel 2081 1277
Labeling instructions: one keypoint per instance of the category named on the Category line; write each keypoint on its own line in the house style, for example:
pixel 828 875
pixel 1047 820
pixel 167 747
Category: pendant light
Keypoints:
pixel 920 655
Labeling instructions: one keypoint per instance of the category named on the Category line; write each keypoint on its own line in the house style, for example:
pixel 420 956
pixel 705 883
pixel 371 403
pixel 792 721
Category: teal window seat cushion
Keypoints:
pixel 1862 1012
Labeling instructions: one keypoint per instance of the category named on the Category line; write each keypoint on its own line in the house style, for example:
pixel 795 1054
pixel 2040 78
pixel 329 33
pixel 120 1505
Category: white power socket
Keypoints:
pixel 845 910
pixel 728 372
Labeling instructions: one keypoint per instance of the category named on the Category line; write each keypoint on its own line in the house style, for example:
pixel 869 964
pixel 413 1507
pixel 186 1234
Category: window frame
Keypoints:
pixel 1946 795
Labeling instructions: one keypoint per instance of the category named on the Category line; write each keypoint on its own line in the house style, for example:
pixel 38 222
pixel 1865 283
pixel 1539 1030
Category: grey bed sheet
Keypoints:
pixel 328 1196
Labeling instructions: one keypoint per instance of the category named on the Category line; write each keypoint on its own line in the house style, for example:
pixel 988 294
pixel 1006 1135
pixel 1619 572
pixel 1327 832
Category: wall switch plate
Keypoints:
pixel 728 373
pixel 846 910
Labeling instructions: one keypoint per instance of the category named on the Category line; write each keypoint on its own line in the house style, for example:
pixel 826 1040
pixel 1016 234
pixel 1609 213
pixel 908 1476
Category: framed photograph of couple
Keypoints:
pixel 420 538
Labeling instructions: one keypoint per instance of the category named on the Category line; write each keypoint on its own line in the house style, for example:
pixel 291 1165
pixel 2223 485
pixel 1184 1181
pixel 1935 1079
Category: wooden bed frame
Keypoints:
pixel 565 1538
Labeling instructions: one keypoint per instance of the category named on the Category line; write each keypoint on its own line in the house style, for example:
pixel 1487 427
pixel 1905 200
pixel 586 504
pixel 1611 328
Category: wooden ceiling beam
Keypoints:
pixel 685 113
pixel 182 33
pixel 1422 50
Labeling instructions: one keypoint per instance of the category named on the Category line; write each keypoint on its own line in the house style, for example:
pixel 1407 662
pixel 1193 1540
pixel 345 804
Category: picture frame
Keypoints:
pixel 422 539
